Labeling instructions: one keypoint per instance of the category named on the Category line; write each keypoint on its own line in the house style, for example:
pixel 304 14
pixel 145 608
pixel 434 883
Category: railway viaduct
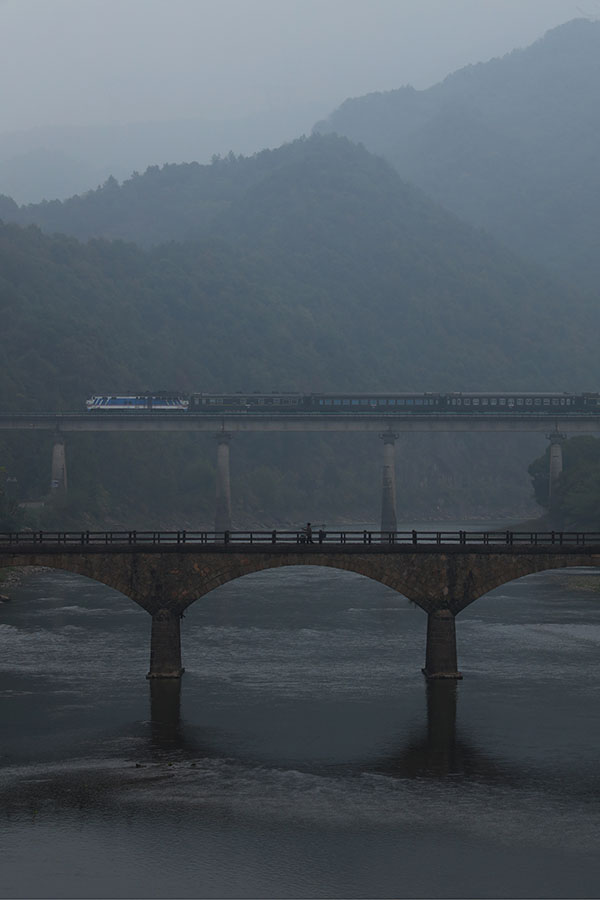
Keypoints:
pixel 442 573
pixel 386 426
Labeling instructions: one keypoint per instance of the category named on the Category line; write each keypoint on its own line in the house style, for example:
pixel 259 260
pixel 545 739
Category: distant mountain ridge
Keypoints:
pixel 58 162
pixel 511 144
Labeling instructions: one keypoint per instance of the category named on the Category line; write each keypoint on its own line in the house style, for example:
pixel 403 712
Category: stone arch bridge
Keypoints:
pixel 164 573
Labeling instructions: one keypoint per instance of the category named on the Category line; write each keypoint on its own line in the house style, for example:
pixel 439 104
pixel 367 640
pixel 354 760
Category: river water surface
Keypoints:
pixel 305 755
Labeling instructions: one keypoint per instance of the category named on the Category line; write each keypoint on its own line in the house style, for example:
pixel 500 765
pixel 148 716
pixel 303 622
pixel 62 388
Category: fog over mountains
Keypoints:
pixel 512 145
pixel 49 163
pixel 321 266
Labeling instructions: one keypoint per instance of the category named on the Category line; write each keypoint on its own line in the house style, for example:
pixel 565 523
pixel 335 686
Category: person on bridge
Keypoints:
pixel 308 532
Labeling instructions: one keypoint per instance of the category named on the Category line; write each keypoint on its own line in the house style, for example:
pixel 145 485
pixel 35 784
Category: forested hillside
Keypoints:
pixel 511 144
pixel 323 270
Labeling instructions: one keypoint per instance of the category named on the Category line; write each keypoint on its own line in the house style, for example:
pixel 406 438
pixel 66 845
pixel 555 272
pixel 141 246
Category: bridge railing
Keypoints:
pixel 294 537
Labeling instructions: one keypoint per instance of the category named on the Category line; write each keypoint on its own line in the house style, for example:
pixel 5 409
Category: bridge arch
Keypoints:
pixel 75 565
pixel 199 584
pixel 486 573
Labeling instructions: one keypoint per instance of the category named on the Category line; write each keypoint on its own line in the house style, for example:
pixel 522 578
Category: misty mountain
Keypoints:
pixel 315 267
pixel 55 163
pixel 332 231
pixel 512 145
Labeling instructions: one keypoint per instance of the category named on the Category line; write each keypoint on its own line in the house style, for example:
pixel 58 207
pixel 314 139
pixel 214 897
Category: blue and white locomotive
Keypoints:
pixel 160 402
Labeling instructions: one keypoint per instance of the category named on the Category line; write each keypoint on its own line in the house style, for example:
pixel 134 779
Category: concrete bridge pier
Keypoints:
pixel 58 478
pixel 440 654
pixel 223 507
pixel 556 460
pixel 165 645
pixel 388 482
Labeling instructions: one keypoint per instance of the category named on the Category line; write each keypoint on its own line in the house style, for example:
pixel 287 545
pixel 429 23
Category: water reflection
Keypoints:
pixel 440 750
pixel 434 752
pixel 165 715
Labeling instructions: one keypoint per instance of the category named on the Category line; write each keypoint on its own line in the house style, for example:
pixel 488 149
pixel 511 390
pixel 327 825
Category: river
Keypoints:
pixel 304 755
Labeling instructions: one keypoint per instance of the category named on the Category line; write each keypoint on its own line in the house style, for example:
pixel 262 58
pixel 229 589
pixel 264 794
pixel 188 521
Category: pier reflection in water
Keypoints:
pixel 433 750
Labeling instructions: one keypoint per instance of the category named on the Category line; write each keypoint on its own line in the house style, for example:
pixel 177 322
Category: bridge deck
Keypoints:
pixel 34 542
pixel 575 423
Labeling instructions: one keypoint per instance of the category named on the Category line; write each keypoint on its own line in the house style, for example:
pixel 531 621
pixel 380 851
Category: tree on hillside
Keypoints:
pixel 576 497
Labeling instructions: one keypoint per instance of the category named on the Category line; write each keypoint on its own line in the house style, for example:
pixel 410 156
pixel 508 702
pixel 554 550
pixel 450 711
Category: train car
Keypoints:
pixel 373 402
pixel 459 402
pixel 159 402
pixel 246 402
pixel 526 403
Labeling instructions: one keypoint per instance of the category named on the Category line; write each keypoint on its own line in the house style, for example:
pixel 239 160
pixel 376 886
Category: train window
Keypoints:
pixel 502 401
pixel 520 401
pixel 528 402
pixel 537 401
pixel 453 401
pixel 337 402
pixel 475 401
pixel 419 401
pixel 409 401
pixel 556 402
pixel 562 401
pixel 327 402
pixel 484 401
pixel 459 402
pixel 493 402
pixel 355 402
pixel 346 402
pixel 321 402
pixel 467 401
pixel 400 402
pixel 546 401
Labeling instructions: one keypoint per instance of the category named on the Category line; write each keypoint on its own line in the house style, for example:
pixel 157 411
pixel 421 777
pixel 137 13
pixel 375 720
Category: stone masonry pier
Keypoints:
pixel 165 579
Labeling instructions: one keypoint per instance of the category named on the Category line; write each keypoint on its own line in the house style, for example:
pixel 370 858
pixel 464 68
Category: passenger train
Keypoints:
pixel 478 403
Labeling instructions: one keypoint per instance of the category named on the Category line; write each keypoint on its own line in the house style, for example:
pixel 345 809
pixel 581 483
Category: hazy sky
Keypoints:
pixel 100 61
